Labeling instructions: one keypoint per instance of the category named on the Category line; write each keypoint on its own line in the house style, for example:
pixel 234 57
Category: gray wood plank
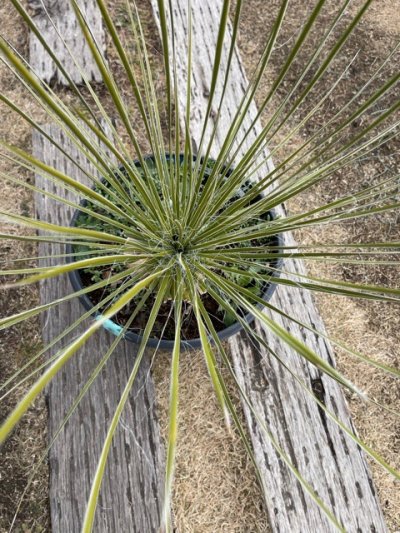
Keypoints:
pixel 329 460
pixel 63 17
pixel 131 494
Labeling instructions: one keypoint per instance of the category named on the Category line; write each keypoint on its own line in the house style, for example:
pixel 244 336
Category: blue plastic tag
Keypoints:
pixel 109 325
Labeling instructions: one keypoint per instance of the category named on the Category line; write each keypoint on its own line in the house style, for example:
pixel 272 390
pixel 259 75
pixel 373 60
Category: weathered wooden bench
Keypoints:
pixel 130 497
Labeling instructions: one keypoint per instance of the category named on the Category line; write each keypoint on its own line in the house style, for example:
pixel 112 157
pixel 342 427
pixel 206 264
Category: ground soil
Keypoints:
pixel 216 488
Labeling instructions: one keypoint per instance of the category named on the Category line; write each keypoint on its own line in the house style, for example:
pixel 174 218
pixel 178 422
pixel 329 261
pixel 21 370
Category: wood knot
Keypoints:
pixel 318 389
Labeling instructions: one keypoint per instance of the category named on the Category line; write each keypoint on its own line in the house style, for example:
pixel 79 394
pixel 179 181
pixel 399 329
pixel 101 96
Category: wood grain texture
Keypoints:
pixel 131 494
pixel 328 459
pixel 63 17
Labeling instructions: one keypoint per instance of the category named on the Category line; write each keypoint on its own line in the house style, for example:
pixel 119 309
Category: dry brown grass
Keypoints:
pixel 22 451
pixel 215 484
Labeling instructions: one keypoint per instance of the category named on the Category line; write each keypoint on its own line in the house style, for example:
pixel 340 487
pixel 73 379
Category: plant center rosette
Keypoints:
pixel 178 243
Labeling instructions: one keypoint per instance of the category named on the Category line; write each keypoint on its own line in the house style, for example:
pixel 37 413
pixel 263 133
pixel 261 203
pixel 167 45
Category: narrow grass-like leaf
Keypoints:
pixel 37 388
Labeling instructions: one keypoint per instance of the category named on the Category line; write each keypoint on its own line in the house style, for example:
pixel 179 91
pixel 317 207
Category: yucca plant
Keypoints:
pixel 191 242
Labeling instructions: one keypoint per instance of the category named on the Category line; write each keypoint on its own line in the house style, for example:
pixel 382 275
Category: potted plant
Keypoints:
pixel 183 251
pixel 224 320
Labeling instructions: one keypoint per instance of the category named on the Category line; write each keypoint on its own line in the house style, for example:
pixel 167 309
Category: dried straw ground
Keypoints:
pixel 215 484
pixel 22 450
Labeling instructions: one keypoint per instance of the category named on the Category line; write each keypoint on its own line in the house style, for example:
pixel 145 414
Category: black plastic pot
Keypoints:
pixel 165 344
